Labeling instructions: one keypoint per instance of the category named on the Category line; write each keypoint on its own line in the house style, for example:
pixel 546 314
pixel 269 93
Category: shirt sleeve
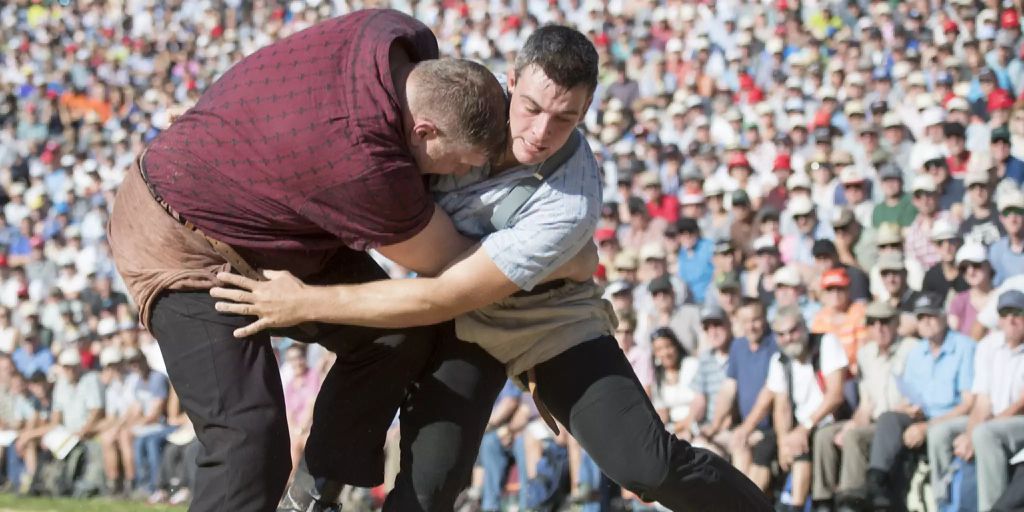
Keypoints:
pixel 833 357
pixel 982 361
pixel 91 393
pixel 553 225
pixel 732 370
pixel 386 205
pixel 776 381
pixel 965 374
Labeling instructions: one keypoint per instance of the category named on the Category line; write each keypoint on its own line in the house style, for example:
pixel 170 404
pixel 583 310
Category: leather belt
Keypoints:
pixel 227 252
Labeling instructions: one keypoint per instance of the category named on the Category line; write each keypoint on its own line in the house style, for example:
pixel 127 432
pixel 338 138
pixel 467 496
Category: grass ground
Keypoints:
pixel 10 503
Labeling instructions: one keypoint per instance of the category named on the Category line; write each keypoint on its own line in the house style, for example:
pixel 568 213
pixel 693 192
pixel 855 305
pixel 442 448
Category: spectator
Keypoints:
pixel 806 377
pixel 826 257
pixel 659 204
pixel 964 306
pixel 639 355
pixel 641 229
pixel 682 319
pixel 982 225
pixel 796 248
pixel 1007 253
pixel 501 445
pixel 146 429
pixel 855 244
pixel 896 206
pixel 996 422
pixel 791 292
pixel 919 243
pixel 752 445
pixel 892 267
pixel 712 366
pixel 31 357
pixel 695 255
pixel 301 386
pixel 841 316
pixel 1008 166
pixel 760 281
pixel 842 459
pixel 944 275
pixel 674 373
pixel 856 195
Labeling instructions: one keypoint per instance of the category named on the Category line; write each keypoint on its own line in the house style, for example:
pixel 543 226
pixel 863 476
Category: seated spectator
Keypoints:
pixel 711 374
pixel 31 357
pixel 996 425
pixel 896 206
pixel 760 281
pixel 502 444
pixel 944 277
pixel 936 385
pixel 964 306
pixel 855 243
pixel 789 292
pixel 653 267
pixel 659 204
pixel 806 377
pixel 178 467
pixel 752 444
pixel 826 257
pixel 1007 253
pixel 695 255
pixel 982 225
pixel 856 196
pixel 146 429
pixel 119 395
pixel 892 267
pixel 796 247
pixel 841 459
pixel 674 372
pixel 682 319
pixel 639 356
pixel 641 229
pixel 840 316
pixel 921 242
pixel 300 389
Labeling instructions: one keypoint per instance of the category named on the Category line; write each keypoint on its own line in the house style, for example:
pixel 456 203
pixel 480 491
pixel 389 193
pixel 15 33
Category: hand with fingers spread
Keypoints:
pixel 276 302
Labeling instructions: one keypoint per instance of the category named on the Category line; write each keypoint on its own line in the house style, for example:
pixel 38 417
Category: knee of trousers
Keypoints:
pixel 983 434
pixel 699 480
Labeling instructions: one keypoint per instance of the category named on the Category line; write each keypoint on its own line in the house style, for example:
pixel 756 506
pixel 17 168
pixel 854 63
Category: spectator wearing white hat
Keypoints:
pixel 857 195
pixel 791 291
pixel 982 224
pixel 896 141
pixel 1007 253
pixel 796 248
pixel 972 259
pixel 930 142
pixel 759 281
pixel 944 274
pixel 920 244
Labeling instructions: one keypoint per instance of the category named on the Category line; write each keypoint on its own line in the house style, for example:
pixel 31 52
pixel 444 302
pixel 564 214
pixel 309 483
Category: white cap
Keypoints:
pixel 692 198
pixel 110 355
pixel 922 182
pixel 713 188
pixel 69 357
pixel 924 101
pixel 652 251
pixel 800 205
pixel 788 276
pixel 798 180
pixel 129 353
pixel 674 45
pixel 827 92
pixel 851 174
pixel 1010 199
pixel 957 103
pixel 916 78
pixel 931 117
pixel 942 230
pixel 676 109
pixel 976 176
pixel 774 45
pixel 764 242
pixel 106 326
pixel 973 252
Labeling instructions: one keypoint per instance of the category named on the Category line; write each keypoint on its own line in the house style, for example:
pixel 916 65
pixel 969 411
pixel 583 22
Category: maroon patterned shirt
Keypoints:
pixel 298 150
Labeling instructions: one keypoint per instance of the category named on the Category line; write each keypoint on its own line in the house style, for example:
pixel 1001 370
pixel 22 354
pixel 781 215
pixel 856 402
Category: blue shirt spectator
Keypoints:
pixel 749 368
pixel 1006 262
pixel 936 382
pixel 695 268
pixel 30 358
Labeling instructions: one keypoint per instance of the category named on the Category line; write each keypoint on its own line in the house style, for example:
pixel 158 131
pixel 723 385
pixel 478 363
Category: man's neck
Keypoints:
pixel 1013 344
pixel 935 342
pixel 893 200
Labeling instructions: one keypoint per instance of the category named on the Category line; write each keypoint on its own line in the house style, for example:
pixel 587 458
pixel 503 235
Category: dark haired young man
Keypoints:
pixel 556 340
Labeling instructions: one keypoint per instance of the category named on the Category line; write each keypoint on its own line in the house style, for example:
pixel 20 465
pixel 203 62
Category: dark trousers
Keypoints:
pixel 232 391
pixel 593 391
pixel 1013 498
pixel 887 444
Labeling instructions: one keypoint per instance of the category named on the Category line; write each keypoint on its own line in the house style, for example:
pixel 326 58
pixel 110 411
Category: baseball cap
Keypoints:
pixel 617 287
pixel 625 260
pixel 788 276
pixel 713 188
pixel 659 285
pixel 954 130
pixel 1010 300
pixel 972 252
pixel 891 120
pixel 604 235
pixel 888 234
pixel 999 99
pixel 835 278
pixel 110 355
pixel 798 180
pixel 942 230
pixel 765 244
pixel 767 212
pixel 740 197
pixel 738 160
pixel 782 161
pixel 923 183
pixel 1009 19
pixel 891 261
pixel 889 171
pixel 800 205
pixel 851 174
pixel 69 357
pixel 1010 199
pixel 723 246
pixel 712 313
pixel 650 179
pixel 691 198
pixel 975 177
pixel 931 117
pixel 1001 133
pixel 880 309
pixel 728 282
pixel 957 103
pixel 687 225
pixel 928 304
pixel 842 217
pixel 652 251
pixel 823 248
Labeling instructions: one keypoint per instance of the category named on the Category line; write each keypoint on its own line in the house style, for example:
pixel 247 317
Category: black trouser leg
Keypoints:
pixel 887 444
pixel 442 424
pixel 1013 497
pixel 360 397
pixel 592 390
pixel 231 390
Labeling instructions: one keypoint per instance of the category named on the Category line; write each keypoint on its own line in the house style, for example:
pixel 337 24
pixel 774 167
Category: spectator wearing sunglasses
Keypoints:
pixel 982 225
pixel 972 260
pixel 920 245
pixel 1007 253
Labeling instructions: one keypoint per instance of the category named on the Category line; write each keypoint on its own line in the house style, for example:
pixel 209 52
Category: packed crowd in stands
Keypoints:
pixel 813 236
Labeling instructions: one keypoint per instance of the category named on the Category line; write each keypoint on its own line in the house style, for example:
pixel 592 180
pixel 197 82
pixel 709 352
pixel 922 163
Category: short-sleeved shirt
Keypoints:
pixel 902 214
pixel 848 327
pixel 677 397
pixel 295 157
pixel 878 373
pixel 76 400
pixel 936 383
pixel 808 387
pixel 749 369
pixel 549 229
pixel 711 368
pixel 152 387
pixel 1002 377
pixel 1005 260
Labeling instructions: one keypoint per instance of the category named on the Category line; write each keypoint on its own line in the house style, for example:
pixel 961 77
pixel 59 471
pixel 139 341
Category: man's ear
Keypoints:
pixel 511 79
pixel 423 131
pixel 586 107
